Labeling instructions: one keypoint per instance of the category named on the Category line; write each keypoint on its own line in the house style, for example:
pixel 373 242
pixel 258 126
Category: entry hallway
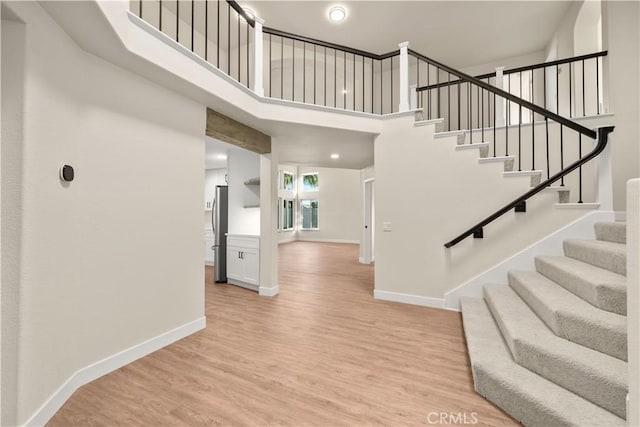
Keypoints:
pixel 321 353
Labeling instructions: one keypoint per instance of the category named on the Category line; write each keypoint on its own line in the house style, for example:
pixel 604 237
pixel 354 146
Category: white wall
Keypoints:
pixel 114 258
pixel 243 166
pixel 340 206
pixel 620 22
pixel 633 299
pixel 430 193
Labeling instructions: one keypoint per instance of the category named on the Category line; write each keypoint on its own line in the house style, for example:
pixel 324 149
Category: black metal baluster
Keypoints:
pixel 363 107
pixel 281 67
pixel 438 85
pixel 325 76
pixel 335 78
pixel 344 80
pixel 192 23
pixel 478 101
pixel 557 90
pixel 353 84
pixel 449 99
pixel 482 114
pixel 561 154
pixel 506 129
pixel 381 88
pixel 546 125
pixel 218 36
pixel 533 95
pixel 304 72
pixel 470 112
pixel 580 168
pixel 372 85
pixel 583 92
pixel 315 65
pixel 160 18
pixel 428 93
pixel 177 19
pixel 494 123
pixel 239 49
pixel 270 68
pixel 533 143
pixel 206 27
pixel 140 10
pixel 570 91
pixel 228 39
pixel 597 85
pixel 248 59
pixel 293 68
pixel 458 90
pixel 391 86
pixel 519 137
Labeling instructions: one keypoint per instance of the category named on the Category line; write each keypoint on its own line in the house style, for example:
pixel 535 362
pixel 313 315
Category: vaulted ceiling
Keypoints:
pixel 458 33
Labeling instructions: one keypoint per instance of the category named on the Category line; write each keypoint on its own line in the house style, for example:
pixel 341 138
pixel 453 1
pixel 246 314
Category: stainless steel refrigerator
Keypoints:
pixel 220 223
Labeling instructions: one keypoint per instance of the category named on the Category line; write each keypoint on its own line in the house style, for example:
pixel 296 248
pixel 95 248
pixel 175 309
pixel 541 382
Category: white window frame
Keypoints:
pixel 302 214
pixel 302 190
pixel 282 210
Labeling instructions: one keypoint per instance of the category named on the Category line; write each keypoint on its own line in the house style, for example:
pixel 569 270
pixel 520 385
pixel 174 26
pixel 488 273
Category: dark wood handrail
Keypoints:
pixel 310 40
pixel 234 4
pixel 504 94
pixel 519 69
pixel 603 138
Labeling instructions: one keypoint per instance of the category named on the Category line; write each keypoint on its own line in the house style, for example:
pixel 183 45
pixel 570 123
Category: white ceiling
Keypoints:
pixel 305 145
pixel 457 33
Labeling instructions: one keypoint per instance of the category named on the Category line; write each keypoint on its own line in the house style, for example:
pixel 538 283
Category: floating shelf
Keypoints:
pixel 252 181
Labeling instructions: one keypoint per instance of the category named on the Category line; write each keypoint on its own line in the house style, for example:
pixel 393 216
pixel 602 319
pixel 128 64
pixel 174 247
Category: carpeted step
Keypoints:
pixel 482 147
pixel 608 255
pixel 506 160
pixel 570 317
pixel 599 378
pixel 524 395
pixel 611 231
pixel 601 288
pixel 535 176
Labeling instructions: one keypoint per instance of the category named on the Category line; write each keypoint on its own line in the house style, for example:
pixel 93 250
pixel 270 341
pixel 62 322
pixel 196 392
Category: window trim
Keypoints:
pixel 302 215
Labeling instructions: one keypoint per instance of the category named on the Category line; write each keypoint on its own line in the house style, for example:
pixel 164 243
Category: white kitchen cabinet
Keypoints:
pixel 243 261
pixel 209 241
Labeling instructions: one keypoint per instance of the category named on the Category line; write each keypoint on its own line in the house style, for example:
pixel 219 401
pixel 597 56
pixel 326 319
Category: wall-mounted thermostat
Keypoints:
pixel 66 173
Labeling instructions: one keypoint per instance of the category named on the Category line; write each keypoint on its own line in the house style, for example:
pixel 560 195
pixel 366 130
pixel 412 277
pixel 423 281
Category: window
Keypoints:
pixel 287 219
pixel 310 182
pixel 309 210
pixel 288 181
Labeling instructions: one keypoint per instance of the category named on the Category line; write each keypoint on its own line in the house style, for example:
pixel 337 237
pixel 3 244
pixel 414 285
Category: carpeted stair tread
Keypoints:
pixel 608 255
pixel 597 377
pixel 524 395
pixel 602 288
pixel 570 317
pixel 611 231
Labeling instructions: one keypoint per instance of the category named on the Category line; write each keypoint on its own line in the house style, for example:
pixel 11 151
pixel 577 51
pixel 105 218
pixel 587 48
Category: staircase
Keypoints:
pixel 550 348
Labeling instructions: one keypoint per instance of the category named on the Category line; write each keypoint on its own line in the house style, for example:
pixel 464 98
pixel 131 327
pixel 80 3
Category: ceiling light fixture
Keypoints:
pixel 335 156
pixel 221 157
pixel 337 14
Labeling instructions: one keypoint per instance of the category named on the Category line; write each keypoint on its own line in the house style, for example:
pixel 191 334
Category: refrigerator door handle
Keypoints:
pixel 213 216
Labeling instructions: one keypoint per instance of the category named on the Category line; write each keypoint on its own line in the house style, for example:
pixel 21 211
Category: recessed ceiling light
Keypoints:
pixel 335 156
pixel 221 157
pixel 337 14
pixel 344 91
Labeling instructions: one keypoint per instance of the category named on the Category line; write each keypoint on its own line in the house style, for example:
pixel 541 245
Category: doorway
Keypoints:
pixel 369 223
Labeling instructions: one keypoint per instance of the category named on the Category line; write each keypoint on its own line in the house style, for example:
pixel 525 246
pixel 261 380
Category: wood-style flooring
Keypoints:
pixel 321 353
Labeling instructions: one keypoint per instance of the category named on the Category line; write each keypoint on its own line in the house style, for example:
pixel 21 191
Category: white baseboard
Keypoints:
pixel 209 263
pixel 361 260
pixel 409 299
pixel 304 239
pixel 268 292
pixel 524 260
pixel 110 364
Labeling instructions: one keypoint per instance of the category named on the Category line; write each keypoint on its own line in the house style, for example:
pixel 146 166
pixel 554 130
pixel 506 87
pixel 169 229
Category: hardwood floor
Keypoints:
pixel 321 353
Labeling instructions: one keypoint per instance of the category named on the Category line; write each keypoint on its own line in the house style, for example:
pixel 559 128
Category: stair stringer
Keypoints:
pixel 582 228
pixel 429 192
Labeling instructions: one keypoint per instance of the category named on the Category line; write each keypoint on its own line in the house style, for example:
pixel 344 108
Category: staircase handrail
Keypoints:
pixel 513 98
